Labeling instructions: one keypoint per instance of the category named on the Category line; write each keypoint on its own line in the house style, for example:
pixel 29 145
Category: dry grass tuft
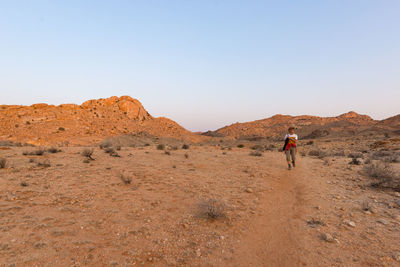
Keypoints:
pixel 383 174
pixel 212 208
pixel 160 146
pixel 256 153
pixel 88 153
pixel 3 163
pixel 53 150
pixel 185 146
pixel 45 163
pixel 126 179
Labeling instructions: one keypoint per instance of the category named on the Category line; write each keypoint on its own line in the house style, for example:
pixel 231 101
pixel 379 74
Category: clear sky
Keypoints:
pixel 205 64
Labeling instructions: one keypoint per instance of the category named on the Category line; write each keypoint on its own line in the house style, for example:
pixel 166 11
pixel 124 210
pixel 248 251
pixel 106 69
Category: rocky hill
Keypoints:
pixel 91 122
pixel 308 126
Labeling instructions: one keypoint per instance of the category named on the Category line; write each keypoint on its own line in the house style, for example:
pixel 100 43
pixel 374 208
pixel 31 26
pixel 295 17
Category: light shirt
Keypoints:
pixel 291 136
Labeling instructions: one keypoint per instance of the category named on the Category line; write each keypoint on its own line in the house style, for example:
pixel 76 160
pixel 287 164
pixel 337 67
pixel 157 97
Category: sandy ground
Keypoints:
pixel 82 214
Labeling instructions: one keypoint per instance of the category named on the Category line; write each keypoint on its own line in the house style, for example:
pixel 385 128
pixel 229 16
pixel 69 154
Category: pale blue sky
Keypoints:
pixel 205 64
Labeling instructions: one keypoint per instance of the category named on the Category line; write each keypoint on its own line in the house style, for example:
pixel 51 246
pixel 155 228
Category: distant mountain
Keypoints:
pixel 91 122
pixel 307 126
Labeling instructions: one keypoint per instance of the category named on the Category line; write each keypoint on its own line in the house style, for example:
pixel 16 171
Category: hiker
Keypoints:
pixel 290 147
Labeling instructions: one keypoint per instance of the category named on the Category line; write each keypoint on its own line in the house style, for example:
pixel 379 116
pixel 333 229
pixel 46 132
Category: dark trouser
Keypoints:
pixel 291 153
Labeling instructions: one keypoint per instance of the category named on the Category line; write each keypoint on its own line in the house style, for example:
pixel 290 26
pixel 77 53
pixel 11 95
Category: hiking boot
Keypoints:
pixel 294 164
pixel 289 167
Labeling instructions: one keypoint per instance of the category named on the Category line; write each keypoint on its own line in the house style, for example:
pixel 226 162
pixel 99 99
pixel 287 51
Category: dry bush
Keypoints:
pixel 114 154
pixel 109 150
pixel 256 153
pixel 3 163
pixel 105 144
pixel 118 148
pixel 394 158
pixel 240 145
pixel 125 178
pixel 185 146
pixel 355 161
pixel 160 146
pixel 45 163
pixel 167 153
pixel 383 174
pixel 38 152
pixel 212 208
pixel 318 153
pixel 303 153
pixel 24 184
pixel 356 155
pixel 309 143
pixel 88 153
pixel 53 150
pixel 186 155
pixel 257 147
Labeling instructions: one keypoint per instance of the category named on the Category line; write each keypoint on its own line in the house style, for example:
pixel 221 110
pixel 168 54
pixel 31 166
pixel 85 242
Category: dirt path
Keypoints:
pixel 275 237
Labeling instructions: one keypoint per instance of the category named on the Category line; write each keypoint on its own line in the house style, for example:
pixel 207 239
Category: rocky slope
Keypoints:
pixel 308 126
pixel 94 120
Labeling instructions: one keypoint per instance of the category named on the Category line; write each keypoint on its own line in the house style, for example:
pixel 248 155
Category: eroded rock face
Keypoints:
pixel 95 119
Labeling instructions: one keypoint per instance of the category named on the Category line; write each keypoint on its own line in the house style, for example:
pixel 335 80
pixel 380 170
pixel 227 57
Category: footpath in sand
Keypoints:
pixel 72 213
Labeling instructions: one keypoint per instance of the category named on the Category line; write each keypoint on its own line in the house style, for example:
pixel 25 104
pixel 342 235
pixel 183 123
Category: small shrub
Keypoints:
pixel 256 153
pixel 31 160
pixel 355 161
pixel 86 161
pixel 109 150
pixel 147 144
pixel 303 153
pixel 53 150
pixel 24 184
pixel 118 148
pixel 160 146
pixel 45 163
pixel 174 148
pixel 309 143
pixel 392 159
pixel 356 155
pixel 114 154
pixel 383 175
pixel 212 208
pixel 3 163
pixel 105 144
pixel 186 155
pixel 38 152
pixel 88 153
pixel 185 146
pixel 167 153
pixel 126 179
pixel 257 147
pixel 318 153
pixel 240 145
pixel 61 129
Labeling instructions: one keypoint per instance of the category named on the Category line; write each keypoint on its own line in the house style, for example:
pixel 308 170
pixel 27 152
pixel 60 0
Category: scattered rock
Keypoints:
pixel 382 221
pixel 249 190
pixel 328 238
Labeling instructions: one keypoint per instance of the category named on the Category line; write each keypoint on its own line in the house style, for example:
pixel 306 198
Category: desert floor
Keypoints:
pixel 71 213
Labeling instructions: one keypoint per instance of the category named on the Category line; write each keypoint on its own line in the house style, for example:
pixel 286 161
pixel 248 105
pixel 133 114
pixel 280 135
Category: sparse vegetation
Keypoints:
pixel 3 163
pixel 38 152
pixel 105 144
pixel 167 153
pixel 125 179
pixel 256 153
pixel 160 146
pixel 88 153
pixel 318 153
pixel 186 155
pixel 383 174
pixel 53 150
pixel 45 163
pixel 212 208
pixel 240 145
pixel 355 161
pixel 185 146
